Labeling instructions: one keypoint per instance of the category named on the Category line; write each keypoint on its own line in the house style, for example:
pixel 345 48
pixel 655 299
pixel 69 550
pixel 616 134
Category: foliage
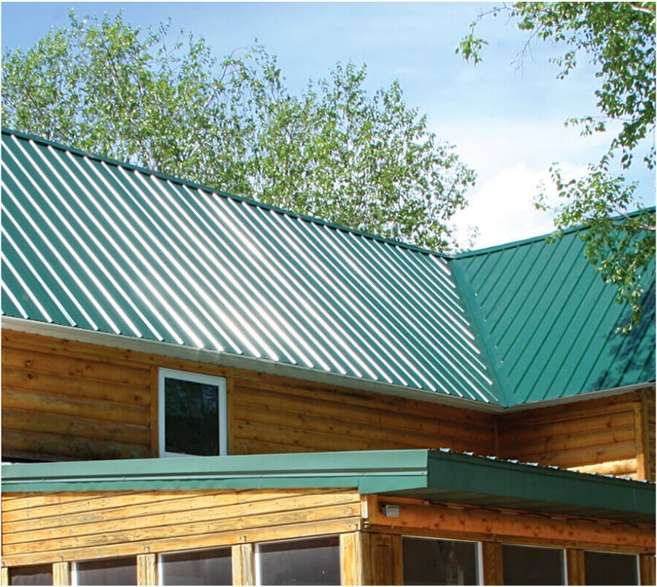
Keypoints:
pixel 618 39
pixel 334 151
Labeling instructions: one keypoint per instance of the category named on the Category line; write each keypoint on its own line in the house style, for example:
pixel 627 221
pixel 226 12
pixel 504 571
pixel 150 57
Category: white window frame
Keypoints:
pixel 219 382
pixel 479 556
pixel 258 576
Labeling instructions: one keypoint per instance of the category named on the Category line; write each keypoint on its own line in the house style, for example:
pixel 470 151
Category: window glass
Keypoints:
pixel 525 565
pixel 32 575
pixel 207 567
pixel 439 562
pixel 191 417
pixel 604 568
pixel 116 571
pixel 300 562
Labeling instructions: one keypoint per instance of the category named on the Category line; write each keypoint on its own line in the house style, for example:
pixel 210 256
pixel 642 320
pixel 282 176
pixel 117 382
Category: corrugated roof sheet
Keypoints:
pixel 549 322
pixel 106 247
pixel 103 246
pixel 436 475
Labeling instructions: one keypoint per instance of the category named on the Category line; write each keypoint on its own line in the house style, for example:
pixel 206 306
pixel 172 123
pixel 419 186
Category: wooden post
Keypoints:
pixel 492 563
pixel 647 569
pixel 146 569
pixel 4 576
pixel 355 562
pixel 243 556
pixel 575 567
pixel 61 573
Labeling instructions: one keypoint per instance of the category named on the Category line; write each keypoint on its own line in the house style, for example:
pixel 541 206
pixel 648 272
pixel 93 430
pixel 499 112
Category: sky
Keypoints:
pixel 505 116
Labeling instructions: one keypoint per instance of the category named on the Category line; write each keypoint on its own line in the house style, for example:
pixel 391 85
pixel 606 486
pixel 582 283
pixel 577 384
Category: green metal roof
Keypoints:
pixel 436 475
pixel 549 322
pixel 95 245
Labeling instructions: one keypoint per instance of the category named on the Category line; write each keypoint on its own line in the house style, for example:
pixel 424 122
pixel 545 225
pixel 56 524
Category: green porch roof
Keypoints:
pixel 91 245
pixel 436 475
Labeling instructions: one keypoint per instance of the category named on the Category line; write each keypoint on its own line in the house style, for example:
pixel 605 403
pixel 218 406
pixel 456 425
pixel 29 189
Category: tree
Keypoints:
pixel 334 151
pixel 618 38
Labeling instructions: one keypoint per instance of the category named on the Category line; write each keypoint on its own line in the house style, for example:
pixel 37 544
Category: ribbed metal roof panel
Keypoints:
pixel 92 244
pixel 550 323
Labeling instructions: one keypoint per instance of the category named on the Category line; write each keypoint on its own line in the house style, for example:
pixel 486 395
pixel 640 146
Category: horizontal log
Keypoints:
pixel 527 432
pixel 56 445
pixel 586 456
pixel 65 425
pixel 32 381
pixel 54 403
pixel 117 372
pixel 369 400
pixel 306 418
pixel 569 441
pixel 432 423
pixel 623 467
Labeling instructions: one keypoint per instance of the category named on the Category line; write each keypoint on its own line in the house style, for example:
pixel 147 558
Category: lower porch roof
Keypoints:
pixel 435 475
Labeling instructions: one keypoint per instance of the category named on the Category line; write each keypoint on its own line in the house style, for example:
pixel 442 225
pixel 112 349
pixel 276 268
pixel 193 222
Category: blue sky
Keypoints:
pixel 506 120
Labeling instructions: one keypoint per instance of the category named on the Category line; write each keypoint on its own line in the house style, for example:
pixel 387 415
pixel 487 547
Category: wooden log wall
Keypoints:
pixel 613 435
pixel 66 399
pixel 71 400
pixel 44 528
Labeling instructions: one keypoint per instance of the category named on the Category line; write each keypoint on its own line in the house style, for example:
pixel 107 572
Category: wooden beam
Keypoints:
pixel 147 569
pixel 492 563
pixel 575 566
pixel 4 576
pixel 647 569
pixel 243 557
pixel 355 562
pixel 474 523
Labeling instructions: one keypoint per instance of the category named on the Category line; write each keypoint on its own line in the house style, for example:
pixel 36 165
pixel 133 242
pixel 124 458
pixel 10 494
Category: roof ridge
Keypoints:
pixel 533 239
pixel 238 198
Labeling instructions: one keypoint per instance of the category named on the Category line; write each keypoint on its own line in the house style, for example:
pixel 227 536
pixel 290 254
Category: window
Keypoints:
pixel 205 567
pixel 115 571
pixel 604 568
pixel 526 565
pixel 32 575
pixel 192 412
pixel 299 562
pixel 428 561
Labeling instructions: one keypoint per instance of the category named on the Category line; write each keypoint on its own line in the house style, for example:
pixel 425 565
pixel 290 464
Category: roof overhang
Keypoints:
pixel 434 475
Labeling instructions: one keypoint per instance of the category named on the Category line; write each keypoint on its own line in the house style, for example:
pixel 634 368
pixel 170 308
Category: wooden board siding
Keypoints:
pixel 67 399
pixel 80 526
pixel 597 436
